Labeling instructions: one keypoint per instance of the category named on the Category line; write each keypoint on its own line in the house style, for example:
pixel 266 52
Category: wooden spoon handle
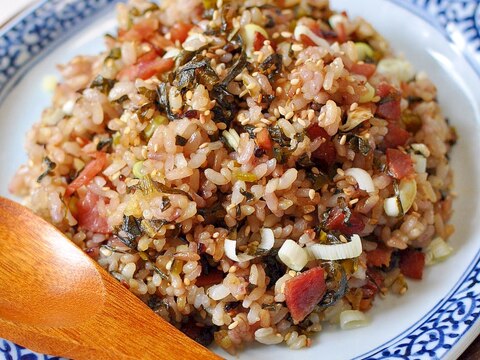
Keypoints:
pixel 57 300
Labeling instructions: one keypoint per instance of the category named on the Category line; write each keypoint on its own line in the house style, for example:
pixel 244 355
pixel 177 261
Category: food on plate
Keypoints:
pixel 249 169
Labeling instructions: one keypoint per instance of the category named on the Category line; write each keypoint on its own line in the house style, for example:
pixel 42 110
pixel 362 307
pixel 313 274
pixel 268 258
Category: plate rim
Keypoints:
pixel 8 79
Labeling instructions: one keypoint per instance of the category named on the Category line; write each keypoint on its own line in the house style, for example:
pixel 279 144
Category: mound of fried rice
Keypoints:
pixel 205 155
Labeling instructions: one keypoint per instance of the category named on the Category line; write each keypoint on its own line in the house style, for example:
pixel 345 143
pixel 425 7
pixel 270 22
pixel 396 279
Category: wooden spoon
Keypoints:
pixel 54 299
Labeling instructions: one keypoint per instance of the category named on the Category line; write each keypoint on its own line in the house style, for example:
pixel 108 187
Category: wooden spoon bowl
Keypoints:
pixel 56 300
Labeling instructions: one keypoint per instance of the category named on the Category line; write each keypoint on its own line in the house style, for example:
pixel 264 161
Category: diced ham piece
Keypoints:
pixel 213 277
pixel 381 256
pixel 258 41
pixel 366 70
pixel 336 221
pixel 88 173
pixel 143 30
pixel 399 164
pixel 303 292
pixel 87 214
pixel 179 31
pixel 145 69
pixel 326 153
pixel 389 105
pixel 396 136
pixel 412 263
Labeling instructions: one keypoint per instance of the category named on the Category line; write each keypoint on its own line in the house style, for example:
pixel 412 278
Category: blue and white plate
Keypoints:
pixel 439 316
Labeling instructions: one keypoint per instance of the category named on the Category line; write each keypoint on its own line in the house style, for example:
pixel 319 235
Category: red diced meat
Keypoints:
pixel 258 41
pixel 396 136
pixel 389 105
pixel 399 164
pixel 412 263
pixel 140 31
pixel 326 153
pixel 366 70
pixel 87 214
pixel 381 256
pixel 179 31
pixel 213 277
pixel 336 221
pixel 88 173
pixel 303 292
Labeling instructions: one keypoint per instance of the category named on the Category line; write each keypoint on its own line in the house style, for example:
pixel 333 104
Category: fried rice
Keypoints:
pixel 249 169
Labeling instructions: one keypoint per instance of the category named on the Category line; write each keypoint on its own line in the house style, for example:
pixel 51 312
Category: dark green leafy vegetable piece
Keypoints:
pixel 165 203
pixel 168 190
pixel 281 154
pixel 272 66
pixel 155 303
pixel 50 167
pixel 151 95
pixel 225 108
pixel 360 145
pixel 160 272
pixel 274 269
pixel 115 54
pixel 318 180
pixel 236 69
pixel 278 136
pixel 102 84
pixel 336 284
pixel 121 99
pixel 130 230
pixel 250 129
pixel 163 102
pixel 104 143
pixel 248 195
pixel 180 140
pixel 197 69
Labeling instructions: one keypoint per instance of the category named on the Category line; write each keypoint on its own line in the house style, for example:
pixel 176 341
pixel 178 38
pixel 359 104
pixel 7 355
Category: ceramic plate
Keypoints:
pixel 439 316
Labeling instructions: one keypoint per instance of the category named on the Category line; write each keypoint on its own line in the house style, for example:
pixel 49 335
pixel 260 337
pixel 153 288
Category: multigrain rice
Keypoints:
pixel 201 126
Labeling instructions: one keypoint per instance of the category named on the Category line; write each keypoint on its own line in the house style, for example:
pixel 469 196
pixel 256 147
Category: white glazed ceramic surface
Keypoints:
pixel 439 316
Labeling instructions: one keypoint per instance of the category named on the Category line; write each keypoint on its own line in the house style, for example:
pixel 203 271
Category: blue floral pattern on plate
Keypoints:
pixel 439 330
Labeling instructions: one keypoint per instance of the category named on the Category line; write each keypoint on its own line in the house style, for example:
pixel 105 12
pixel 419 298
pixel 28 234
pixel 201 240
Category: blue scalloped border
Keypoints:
pixel 26 39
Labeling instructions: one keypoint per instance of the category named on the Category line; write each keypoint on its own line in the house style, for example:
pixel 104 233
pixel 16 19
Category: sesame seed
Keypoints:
pixel 307 217
pixel 343 239
pixel 278 90
pixel 275 35
pixel 127 130
pixel 297 91
pixel 311 194
pixel 232 269
pixel 282 110
pixel 206 113
pixel 289 115
pixel 297 47
pixel 295 81
pixel 353 202
pixel 186 281
pixel 343 140
pixel 233 325
pixel 315 171
pixel 302 122
pixel 353 106
pixel 340 172
pixel 221 126
pixel 292 273
pixel 169 265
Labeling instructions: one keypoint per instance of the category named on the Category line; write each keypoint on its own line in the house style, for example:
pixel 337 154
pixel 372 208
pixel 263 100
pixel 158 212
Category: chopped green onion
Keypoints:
pixel 368 96
pixel 137 170
pixel 293 255
pixel 364 51
pixel 351 319
pixel 349 250
pixel 154 124
pixel 437 251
